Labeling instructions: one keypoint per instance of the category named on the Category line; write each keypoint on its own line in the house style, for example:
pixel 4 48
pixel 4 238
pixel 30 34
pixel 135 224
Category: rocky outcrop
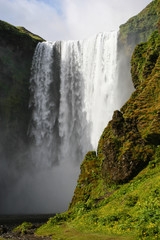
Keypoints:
pixel 125 153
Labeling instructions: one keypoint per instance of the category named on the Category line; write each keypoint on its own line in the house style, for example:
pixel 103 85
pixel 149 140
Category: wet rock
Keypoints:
pixel 3 229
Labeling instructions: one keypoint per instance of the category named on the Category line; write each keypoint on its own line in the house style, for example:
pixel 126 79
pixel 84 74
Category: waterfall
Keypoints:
pixel 71 108
pixel 73 88
pixel 99 67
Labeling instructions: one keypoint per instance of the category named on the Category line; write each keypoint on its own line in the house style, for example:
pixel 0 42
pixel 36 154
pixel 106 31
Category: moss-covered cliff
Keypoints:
pixel 17 47
pixel 138 28
pixel 117 195
pixel 129 141
pixel 134 31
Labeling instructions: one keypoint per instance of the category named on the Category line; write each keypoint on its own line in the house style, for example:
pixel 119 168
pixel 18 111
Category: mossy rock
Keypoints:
pixel 123 151
pixel 128 142
pixel 23 228
pixel 144 59
pixel 88 178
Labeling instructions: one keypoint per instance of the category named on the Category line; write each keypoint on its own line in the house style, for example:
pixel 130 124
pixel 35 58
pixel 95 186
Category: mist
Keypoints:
pixel 38 191
pixel 67 121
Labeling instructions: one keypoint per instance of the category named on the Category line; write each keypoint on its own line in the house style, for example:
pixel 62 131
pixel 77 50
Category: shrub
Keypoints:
pixel 23 228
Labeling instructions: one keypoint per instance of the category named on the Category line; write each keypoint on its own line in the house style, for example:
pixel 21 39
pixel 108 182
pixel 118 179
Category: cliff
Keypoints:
pixel 138 28
pixel 128 142
pixel 17 47
pixel 117 194
pixel 118 188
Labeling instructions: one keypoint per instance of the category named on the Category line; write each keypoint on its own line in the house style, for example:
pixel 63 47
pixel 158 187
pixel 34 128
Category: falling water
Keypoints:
pixel 85 90
pixel 44 88
pixel 73 89
pixel 99 67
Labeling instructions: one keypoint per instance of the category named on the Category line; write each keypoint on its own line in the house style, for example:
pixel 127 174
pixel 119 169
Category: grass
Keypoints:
pixel 130 212
pixel 23 228
pixel 25 31
pixel 66 232
pixel 138 28
pixel 4 26
pixel 103 209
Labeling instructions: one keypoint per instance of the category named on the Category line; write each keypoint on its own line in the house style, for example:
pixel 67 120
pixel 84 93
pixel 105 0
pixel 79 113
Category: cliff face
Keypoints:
pixel 138 28
pixel 134 31
pixel 17 47
pixel 131 138
pixel 129 141
pixel 118 189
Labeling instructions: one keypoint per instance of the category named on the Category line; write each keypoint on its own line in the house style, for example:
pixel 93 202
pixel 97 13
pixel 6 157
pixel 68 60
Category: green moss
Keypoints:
pixel 23 228
pixel 132 209
pixel 24 30
pixel 88 178
pixel 18 31
pixel 129 142
pixel 140 27
pixel 144 59
pixel 144 103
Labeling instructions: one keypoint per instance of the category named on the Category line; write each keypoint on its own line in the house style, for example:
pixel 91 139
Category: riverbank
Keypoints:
pixel 9 222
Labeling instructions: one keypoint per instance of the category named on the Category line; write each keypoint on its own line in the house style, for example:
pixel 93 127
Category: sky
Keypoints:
pixel 69 19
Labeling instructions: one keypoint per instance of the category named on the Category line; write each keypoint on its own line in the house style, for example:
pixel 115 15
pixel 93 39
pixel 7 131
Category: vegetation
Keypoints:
pixel 144 59
pixel 117 194
pixel 132 211
pixel 19 31
pixel 24 30
pixel 138 28
pixel 23 228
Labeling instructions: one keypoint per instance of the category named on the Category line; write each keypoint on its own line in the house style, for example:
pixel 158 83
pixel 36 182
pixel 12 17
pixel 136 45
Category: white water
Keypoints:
pixel 42 120
pixel 88 93
pixel 99 67
pixel 73 95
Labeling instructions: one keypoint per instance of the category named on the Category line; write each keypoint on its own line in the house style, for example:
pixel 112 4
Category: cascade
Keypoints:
pixel 73 95
pixel 73 88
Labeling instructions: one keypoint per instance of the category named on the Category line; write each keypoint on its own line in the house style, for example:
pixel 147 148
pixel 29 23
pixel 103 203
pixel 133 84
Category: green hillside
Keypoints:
pixel 118 190
pixel 138 28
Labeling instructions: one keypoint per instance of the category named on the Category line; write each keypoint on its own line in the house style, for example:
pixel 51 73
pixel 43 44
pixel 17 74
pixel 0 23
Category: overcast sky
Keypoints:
pixel 69 19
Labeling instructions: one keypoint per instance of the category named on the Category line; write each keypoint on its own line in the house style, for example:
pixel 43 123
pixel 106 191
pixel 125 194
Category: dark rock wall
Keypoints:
pixel 16 52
